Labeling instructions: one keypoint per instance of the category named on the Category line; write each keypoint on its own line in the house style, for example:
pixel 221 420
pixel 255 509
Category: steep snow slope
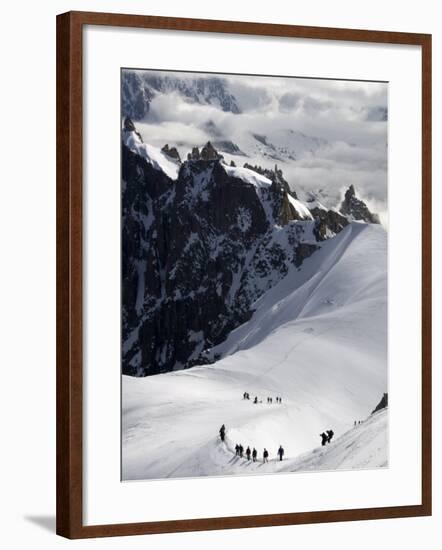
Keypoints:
pixel 318 339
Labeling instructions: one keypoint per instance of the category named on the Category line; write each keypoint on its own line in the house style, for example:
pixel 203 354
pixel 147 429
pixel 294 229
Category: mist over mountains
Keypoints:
pixel 325 135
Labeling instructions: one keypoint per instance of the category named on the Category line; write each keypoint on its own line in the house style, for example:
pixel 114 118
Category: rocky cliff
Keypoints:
pixel 356 209
pixel 201 242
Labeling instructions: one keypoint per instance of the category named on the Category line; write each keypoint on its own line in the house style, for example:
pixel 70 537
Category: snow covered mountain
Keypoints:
pixel 140 87
pixel 317 338
pixel 315 133
pixel 251 265
pixel 203 240
pixel 227 271
pixel 280 145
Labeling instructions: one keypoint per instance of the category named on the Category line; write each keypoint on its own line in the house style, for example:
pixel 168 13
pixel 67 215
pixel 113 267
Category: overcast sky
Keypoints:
pixel 350 116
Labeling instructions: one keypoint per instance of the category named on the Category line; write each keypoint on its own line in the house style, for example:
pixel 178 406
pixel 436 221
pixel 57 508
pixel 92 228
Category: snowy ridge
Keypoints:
pixel 247 175
pixel 151 154
pixel 362 446
pixel 319 287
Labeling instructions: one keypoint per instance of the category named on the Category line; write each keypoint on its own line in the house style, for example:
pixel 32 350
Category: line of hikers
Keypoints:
pixel 246 395
pixel 327 436
pixel 239 451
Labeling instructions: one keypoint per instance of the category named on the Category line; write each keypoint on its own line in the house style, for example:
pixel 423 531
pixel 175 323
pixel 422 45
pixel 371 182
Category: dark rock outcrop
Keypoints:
pixel 356 209
pixel 129 126
pixel 208 152
pixel 195 154
pixel 383 404
pixel 328 223
pixel 171 152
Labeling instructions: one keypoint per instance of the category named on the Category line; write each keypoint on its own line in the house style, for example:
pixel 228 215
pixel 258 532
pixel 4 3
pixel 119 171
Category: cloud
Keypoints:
pixel 377 114
pixel 349 119
pixel 288 102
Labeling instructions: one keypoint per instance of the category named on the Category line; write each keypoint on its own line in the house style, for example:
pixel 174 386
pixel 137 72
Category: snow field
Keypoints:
pixel 317 339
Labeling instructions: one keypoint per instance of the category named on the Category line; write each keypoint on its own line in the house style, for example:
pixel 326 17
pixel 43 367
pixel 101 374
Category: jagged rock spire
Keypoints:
pixel 129 126
pixel 356 209
pixel 195 154
pixel 171 152
pixel 208 152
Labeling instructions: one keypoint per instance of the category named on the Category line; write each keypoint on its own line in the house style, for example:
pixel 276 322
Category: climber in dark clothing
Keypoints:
pixel 241 450
pixel 237 449
pixel 330 434
pixel 248 453
pixel 265 456
pixel 280 452
pixel 324 438
pixel 255 400
pixel 222 432
pixel 244 395
pixel 254 454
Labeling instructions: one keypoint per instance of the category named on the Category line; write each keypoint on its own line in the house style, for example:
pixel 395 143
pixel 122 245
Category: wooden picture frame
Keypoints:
pixel 70 271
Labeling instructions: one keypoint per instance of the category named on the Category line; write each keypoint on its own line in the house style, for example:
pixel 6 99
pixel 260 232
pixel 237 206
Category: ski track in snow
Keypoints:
pixel 317 339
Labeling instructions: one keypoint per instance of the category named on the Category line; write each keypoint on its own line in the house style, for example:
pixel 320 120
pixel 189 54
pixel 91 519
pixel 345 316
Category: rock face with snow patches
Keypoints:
pixel 202 241
pixel 356 209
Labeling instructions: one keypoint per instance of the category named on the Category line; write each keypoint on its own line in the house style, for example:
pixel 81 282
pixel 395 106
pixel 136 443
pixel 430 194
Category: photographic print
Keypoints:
pixel 254 228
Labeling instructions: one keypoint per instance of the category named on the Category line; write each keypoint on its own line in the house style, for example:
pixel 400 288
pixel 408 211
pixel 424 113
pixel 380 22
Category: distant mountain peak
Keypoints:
pixel 139 88
pixel 350 193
